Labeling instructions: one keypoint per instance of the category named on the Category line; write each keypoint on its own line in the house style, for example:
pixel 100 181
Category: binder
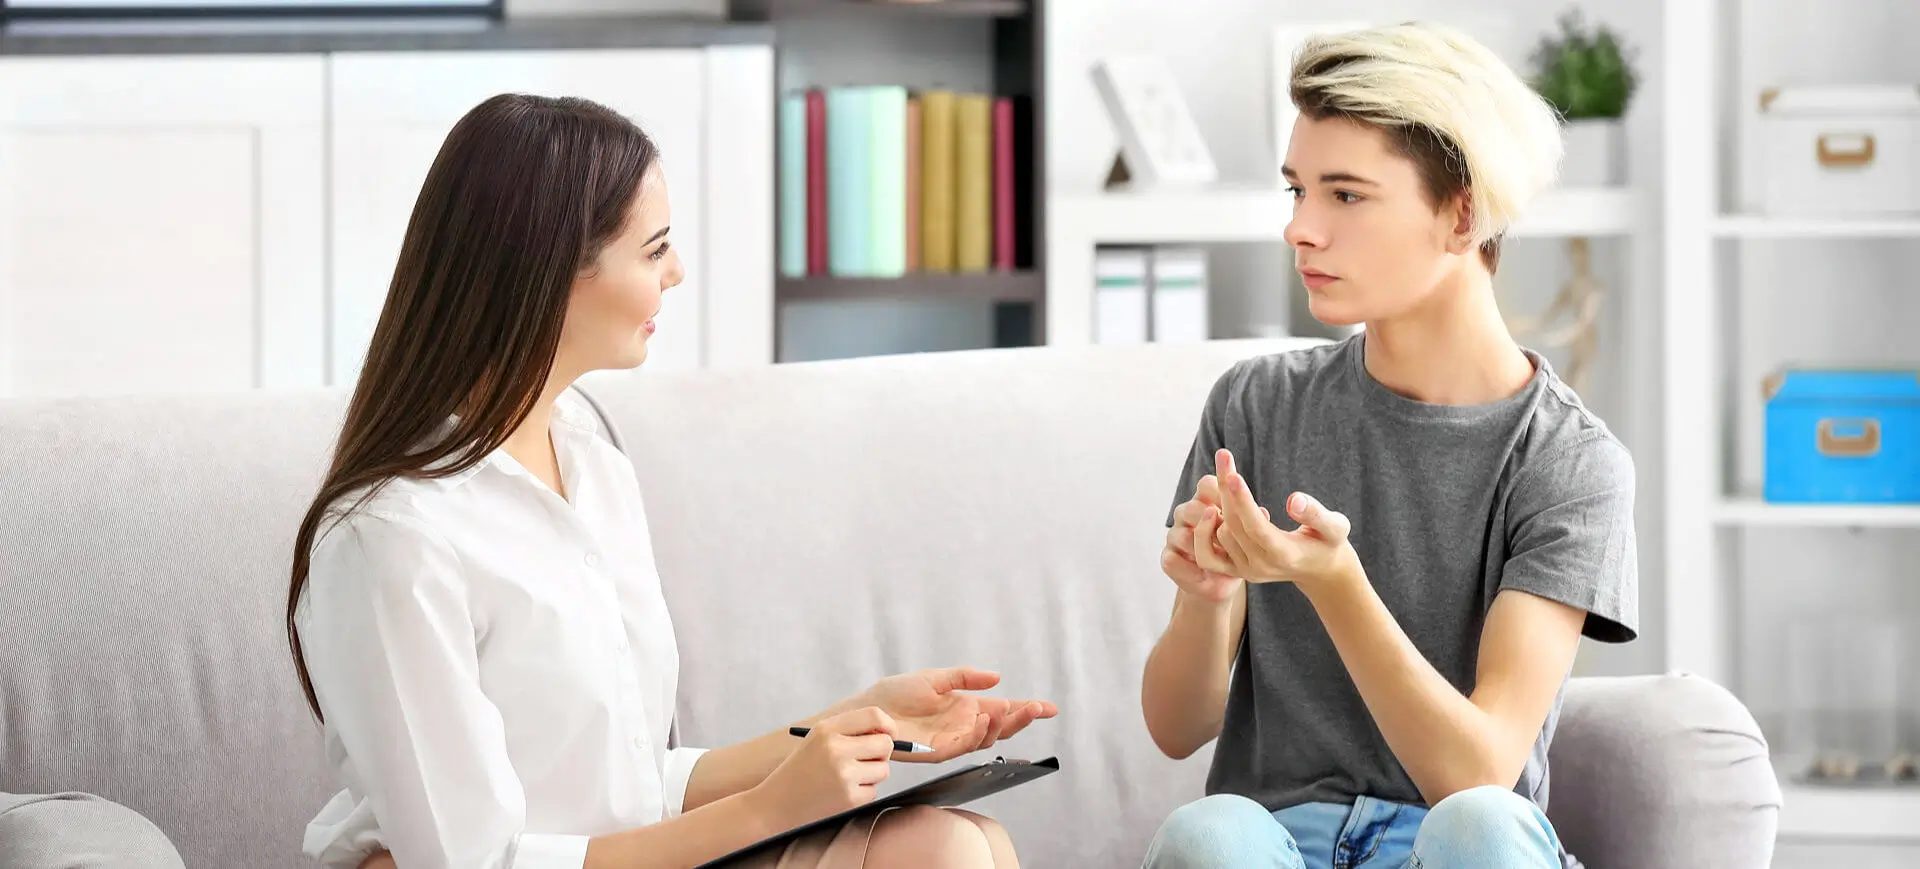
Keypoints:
pixel 1120 303
pixel 1177 285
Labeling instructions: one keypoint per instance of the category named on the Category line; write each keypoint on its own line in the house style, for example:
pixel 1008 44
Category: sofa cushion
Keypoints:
pixel 143 564
pixel 1662 772
pixel 79 831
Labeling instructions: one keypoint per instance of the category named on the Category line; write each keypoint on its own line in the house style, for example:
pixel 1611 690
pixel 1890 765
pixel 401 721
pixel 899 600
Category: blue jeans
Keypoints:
pixel 1482 828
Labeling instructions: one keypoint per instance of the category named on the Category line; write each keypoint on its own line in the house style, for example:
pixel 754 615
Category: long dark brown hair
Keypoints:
pixel 521 198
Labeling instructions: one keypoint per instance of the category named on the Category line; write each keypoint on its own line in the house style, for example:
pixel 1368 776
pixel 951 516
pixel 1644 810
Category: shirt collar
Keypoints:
pixel 569 413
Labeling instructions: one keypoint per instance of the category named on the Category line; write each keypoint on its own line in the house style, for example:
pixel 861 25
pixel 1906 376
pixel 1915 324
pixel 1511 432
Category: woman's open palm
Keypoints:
pixel 935 709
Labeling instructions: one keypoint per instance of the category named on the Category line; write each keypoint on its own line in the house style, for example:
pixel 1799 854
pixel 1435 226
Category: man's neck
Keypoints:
pixel 1453 350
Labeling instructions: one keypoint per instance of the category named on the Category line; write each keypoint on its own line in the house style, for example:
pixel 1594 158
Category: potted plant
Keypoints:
pixel 1586 74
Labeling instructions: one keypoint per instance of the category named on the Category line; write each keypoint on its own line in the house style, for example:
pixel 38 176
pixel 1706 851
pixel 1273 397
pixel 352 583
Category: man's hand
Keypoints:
pixel 1253 548
pixel 934 709
pixel 1194 521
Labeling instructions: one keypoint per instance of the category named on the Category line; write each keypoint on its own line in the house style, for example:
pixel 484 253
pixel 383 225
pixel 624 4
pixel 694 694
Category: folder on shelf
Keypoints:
pixel 1178 292
pixel 1120 306
pixel 1003 160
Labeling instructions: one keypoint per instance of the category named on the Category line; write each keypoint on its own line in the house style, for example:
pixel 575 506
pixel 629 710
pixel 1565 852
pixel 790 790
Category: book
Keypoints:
pixel 887 188
pixel 913 184
pixel 1003 158
pixel 973 187
pixel 849 181
pixel 937 179
pixel 816 182
pixel 793 185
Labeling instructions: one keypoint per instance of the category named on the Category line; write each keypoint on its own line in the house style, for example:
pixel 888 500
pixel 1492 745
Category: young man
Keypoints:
pixel 1387 549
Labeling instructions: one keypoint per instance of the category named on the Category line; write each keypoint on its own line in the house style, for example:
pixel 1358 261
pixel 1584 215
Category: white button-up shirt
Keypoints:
pixel 496 665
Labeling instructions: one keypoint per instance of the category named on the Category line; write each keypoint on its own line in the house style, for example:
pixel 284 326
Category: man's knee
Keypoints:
pixel 1218 831
pixel 63 830
pixel 1486 826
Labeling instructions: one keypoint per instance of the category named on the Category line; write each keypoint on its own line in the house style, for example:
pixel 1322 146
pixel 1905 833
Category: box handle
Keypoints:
pixel 1851 444
pixel 1855 149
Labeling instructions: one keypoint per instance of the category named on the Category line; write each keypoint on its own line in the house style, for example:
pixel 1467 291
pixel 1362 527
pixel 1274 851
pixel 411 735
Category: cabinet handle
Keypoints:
pixel 1859 154
pixel 1865 443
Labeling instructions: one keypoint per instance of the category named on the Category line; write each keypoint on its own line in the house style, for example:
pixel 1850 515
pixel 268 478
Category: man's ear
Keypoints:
pixel 1460 240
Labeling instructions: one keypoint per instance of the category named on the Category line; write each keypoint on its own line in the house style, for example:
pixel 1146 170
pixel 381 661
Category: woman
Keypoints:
pixel 1384 672
pixel 474 611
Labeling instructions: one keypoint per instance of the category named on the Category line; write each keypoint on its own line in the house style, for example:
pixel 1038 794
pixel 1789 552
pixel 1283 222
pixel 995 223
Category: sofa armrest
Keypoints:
pixel 1661 772
pixel 79 831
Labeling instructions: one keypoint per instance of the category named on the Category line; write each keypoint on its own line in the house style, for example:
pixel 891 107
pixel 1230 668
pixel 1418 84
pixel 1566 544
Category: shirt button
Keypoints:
pixel 639 743
pixel 592 560
pixel 620 645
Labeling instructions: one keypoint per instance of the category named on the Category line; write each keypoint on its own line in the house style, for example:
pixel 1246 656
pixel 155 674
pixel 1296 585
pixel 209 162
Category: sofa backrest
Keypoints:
pixel 817 526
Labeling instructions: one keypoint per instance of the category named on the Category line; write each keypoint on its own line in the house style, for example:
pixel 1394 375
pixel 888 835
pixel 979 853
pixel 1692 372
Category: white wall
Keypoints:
pixel 1220 54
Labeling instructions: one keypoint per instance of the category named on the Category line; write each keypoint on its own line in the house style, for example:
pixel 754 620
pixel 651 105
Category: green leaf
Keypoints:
pixel 1584 72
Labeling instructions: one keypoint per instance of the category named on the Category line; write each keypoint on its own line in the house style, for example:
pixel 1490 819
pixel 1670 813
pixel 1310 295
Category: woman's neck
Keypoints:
pixel 1455 349
pixel 532 443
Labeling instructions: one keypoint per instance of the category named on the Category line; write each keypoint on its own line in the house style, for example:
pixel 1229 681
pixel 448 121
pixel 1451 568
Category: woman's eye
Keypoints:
pixel 1345 196
pixel 1295 192
pixel 659 253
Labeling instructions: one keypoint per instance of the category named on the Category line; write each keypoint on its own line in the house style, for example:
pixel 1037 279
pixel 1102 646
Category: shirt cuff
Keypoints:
pixel 673 785
pixel 549 851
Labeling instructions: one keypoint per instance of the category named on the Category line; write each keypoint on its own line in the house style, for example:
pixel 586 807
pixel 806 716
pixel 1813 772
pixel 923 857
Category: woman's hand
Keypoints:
pixel 836 768
pixel 1258 551
pixel 933 709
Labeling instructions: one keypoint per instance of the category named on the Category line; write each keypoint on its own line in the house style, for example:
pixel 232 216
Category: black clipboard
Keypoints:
pixel 959 787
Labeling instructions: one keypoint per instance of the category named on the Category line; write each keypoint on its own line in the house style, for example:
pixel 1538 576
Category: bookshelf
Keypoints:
pixel 965 46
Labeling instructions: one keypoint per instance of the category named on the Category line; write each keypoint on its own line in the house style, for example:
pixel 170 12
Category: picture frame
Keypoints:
pixel 1160 142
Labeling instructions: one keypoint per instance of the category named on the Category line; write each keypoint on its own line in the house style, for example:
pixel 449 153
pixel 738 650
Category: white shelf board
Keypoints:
pixel 1257 214
pixel 1761 226
pixel 1756 512
pixel 1841 813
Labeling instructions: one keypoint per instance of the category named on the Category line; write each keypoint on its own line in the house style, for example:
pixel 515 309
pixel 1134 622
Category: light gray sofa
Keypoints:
pixel 817 526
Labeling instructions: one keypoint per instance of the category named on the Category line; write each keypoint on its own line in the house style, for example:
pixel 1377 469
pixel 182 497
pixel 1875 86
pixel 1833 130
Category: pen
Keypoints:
pixel 899 745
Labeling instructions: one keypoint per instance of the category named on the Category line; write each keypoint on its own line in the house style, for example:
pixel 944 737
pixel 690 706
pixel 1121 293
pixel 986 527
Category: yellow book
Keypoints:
pixel 973 183
pixel 937 181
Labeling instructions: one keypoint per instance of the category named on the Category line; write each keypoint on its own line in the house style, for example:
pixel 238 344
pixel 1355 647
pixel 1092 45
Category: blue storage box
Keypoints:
pixel 1843 436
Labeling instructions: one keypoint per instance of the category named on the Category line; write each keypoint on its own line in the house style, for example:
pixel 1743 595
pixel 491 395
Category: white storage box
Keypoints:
pixel 1852 151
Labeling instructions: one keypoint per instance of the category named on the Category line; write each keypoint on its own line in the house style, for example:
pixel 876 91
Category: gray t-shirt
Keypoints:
pixel 1449 505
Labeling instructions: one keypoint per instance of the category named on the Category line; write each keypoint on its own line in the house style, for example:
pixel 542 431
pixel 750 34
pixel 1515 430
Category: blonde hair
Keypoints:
pixel 1470 124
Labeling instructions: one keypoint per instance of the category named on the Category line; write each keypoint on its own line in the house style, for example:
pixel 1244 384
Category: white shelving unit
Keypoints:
pixel 1079 223
pixel 1712 243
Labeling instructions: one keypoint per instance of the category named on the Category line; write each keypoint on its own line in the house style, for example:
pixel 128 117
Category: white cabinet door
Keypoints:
pixel 391 111
pixel 161 224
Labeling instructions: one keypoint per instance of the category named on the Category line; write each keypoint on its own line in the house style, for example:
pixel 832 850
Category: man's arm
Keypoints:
pixel 1447 741
pixel 1573 542
pixel 1183 692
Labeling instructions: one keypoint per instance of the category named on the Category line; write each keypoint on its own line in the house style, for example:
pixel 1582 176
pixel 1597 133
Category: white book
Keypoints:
pixel 1120 312
pixel 1179 295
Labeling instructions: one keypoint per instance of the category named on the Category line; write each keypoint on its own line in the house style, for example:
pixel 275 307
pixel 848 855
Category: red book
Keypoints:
pixel 816 182
pixel 1003 210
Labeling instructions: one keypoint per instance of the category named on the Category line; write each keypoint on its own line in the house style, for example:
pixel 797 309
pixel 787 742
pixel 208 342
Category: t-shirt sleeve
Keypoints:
pixel 1208 439
pixel 1571 536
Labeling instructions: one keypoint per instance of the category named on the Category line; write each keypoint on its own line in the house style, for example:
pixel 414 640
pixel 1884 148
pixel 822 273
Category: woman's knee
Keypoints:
pixel 924 836
pixel 1218 831
pixel 1489 826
